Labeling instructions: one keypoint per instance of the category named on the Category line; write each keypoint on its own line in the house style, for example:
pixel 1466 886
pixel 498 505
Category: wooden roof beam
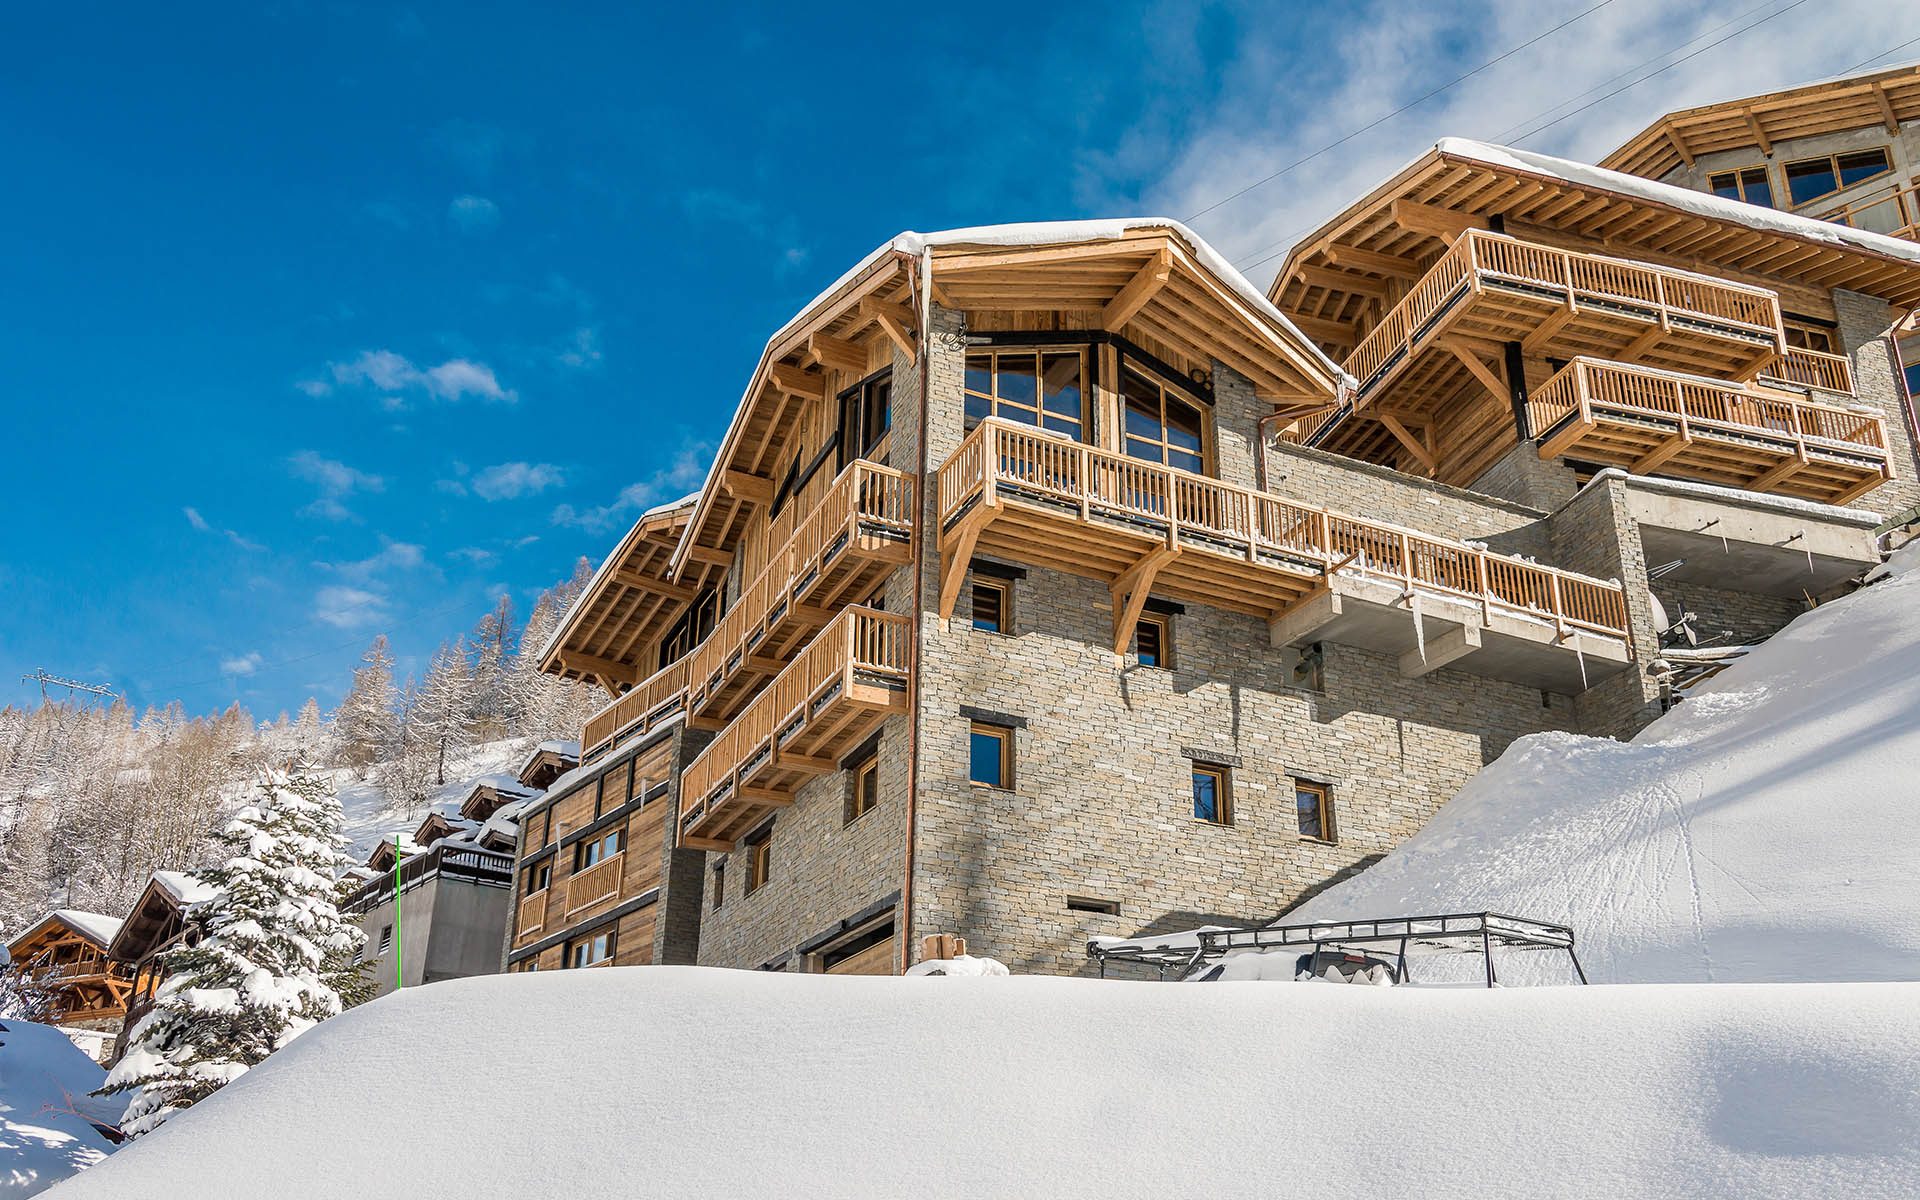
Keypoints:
pixel 794 381
pixel 601 668
pixel 753 489
pixel 894 320
pixel 1143 287
pixel 1886 108
pixel 1341 281
pixel 1679 144
pixel 1759 131
pixel 1435 221
pixel 1323 330
pixel 627 577
pixel 1377 263
pixel 837 353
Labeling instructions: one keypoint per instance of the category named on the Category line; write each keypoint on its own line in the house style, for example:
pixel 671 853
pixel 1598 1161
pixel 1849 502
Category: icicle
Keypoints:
pixel 1580 656
pixel 1419 630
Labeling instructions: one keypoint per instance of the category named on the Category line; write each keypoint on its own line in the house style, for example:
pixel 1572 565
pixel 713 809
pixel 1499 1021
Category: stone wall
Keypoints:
pixel 1864 322
pixel 1522 476
pixel 1742 616
pixel 1596 535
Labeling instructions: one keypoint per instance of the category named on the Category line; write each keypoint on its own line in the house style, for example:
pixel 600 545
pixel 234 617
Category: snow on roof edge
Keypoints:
pixel 606 565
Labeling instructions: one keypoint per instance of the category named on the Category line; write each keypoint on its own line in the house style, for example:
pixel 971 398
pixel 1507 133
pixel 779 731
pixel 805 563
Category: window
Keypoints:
pixel 691 629
pixel 597 850
pixel 990 755
pixel 1313 805
pixel 759 859
pixel 1153 641
pixel 1043 388
pixel 866 787
pixel 1803 336
pixel 386 938
pixel 1748 183
pixel 1909 347
pixel 866 413
pixel 537 878
pixel 719 883
pixel 591 950
pixel 1808 179
pixel 1088 904
pixel 1311 672
pixel 1160 426
pixel 990 605
pixel 1212 796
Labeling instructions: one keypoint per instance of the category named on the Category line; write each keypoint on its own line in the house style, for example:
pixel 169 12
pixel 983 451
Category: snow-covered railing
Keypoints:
pixel 1479 258
pixel 462 862
pixel 1213 517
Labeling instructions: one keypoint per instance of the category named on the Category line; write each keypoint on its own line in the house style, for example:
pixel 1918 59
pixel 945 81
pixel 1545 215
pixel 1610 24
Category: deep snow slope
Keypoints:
pixel 1766 829
pixel 46 1110
pixel 370 818
pixel 681 1081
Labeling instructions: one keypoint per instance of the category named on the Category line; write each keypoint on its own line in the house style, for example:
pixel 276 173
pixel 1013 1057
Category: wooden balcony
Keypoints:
pixel 651 703
pixel 1725 433
pixel 1812 369
pixel 847 680
pixel 595 885
pixel 861 529
pixel 531 918
pixel 1139 527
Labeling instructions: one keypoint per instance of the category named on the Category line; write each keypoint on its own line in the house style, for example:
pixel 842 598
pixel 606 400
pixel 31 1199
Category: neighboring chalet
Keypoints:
pixel 65 952
pixel 1052 581
pixel 161 919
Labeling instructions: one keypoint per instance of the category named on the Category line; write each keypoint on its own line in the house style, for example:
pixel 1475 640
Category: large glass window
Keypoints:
pixel 866 413
pixel 1808 179
pixel 1044 388
pixel 1161 425
pixel 1749 184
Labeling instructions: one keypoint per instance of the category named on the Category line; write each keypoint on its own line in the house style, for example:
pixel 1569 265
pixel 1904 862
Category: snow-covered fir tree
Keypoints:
pixel 493 711
pixel 274 960
pixel 22 997
pixel 364 726
pixel 440 715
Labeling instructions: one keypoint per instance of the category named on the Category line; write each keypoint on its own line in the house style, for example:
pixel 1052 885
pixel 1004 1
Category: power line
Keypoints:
pixel 1334 145
pixel 1884 53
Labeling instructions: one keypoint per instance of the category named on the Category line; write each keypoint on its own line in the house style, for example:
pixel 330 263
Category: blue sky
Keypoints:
pixel 328 320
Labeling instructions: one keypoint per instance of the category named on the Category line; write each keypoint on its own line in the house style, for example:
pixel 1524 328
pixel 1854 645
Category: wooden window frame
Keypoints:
pixel 1222 777
pixel 1162 625
pixel 586 942
pixel 541 872
pixel 759 848
pixel 1738 178
pixel 1001 588
pixel 1833 165
pixel 1809 331
pixel 1168 392
pixel 860 407
pixel 863 773
pixel 1004 735
pixel 1039 353
pixel 1329 833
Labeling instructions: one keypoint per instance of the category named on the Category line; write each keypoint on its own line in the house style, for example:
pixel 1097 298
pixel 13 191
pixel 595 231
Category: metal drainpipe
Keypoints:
pixel 923 502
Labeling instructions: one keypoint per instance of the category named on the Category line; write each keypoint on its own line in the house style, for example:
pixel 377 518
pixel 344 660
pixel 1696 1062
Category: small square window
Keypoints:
pixel 866 787
pixel 591 951
pixel 990 755
pixel 1313 807
pixel 1212 795
pixel 759 859
pixel 1153 641
pixel 990 605
pixel 386 938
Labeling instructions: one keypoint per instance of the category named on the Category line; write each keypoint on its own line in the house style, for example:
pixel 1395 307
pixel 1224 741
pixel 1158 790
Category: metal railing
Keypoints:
pixel 1204 514
pixel 462 862
pixel 1587 278
pixel 1585 384
pixel 861 644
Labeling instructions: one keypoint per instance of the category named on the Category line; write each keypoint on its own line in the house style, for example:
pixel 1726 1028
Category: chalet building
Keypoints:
pixel 1053 581
pixel 161 919
pixel 66 953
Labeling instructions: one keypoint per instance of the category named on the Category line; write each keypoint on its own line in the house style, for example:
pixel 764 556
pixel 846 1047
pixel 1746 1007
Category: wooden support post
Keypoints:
pixel 955 557
pixel 1130 593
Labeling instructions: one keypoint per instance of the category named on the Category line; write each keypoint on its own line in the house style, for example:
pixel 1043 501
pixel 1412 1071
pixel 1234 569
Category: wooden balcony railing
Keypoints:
pixel 861 528
pixel 1814 369
pixel 598 883
pixel 531 917
pixel 841 686
pixel 1895 212
pixel 1001 461
pixel 656 699
pixel 1719 432
pixel 80 971
pixel 1480 258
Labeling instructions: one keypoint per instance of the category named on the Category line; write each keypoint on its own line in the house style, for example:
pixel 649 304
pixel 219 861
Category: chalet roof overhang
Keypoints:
pixel 1336 281
pixel 1148 274
pixel 1886 97
pixel 626 604
pixel 151 914
pixel 48 928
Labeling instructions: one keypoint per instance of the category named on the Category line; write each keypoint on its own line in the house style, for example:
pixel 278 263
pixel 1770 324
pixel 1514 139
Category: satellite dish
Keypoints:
pixel 1660 621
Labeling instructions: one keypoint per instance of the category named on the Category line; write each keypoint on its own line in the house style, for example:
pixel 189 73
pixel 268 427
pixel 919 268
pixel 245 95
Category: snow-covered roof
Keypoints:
pixel 184 888
pixel 95 927
pixel 1704 204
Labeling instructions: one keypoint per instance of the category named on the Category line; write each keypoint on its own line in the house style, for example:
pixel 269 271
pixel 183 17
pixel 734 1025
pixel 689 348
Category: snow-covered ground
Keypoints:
pixel 1767 829
pixel 669 1081
pixel 369 818
pixel 46 1111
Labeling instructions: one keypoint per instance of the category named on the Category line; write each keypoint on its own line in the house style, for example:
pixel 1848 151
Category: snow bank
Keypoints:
pixel 665 1081
pixel 1767 829
pixel 46 1113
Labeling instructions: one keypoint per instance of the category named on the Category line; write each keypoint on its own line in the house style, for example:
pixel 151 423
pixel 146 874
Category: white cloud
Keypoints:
pixel 348 607
pixel 1270 101
pixel 680 476
pixel 477 555
pixel 511 480
pixel 396 378
pixel 393 556
pixel 201 524
pixel 335 480
pixel 473 214
pixel 246 664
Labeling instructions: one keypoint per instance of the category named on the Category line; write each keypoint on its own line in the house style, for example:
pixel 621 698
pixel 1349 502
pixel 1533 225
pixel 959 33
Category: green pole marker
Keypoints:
pixel 398 983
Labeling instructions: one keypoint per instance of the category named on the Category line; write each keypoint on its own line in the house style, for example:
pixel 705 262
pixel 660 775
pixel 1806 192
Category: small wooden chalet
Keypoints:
pixel 66 952
pixel 161 919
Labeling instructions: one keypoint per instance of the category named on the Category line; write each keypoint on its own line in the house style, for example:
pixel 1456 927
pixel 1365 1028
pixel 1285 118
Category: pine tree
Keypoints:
pixel 493 713
pixel 441 714
pixel 275 958
pixel 407 774
pixel 309 733
pixel 363 728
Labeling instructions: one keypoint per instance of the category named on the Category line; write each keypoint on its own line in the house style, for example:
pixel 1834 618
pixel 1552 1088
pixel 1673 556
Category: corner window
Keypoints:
pixel 1043 388
pixel 1153 641
pixel 1749 184
pixel 759 859
pixel 866 414
pixel 591 950
pixel 1808 179
pixel 866 787
pixel 1212 798
pixel 990 755
pixel 1161 425
pixel 1313 807
pixel 990 605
